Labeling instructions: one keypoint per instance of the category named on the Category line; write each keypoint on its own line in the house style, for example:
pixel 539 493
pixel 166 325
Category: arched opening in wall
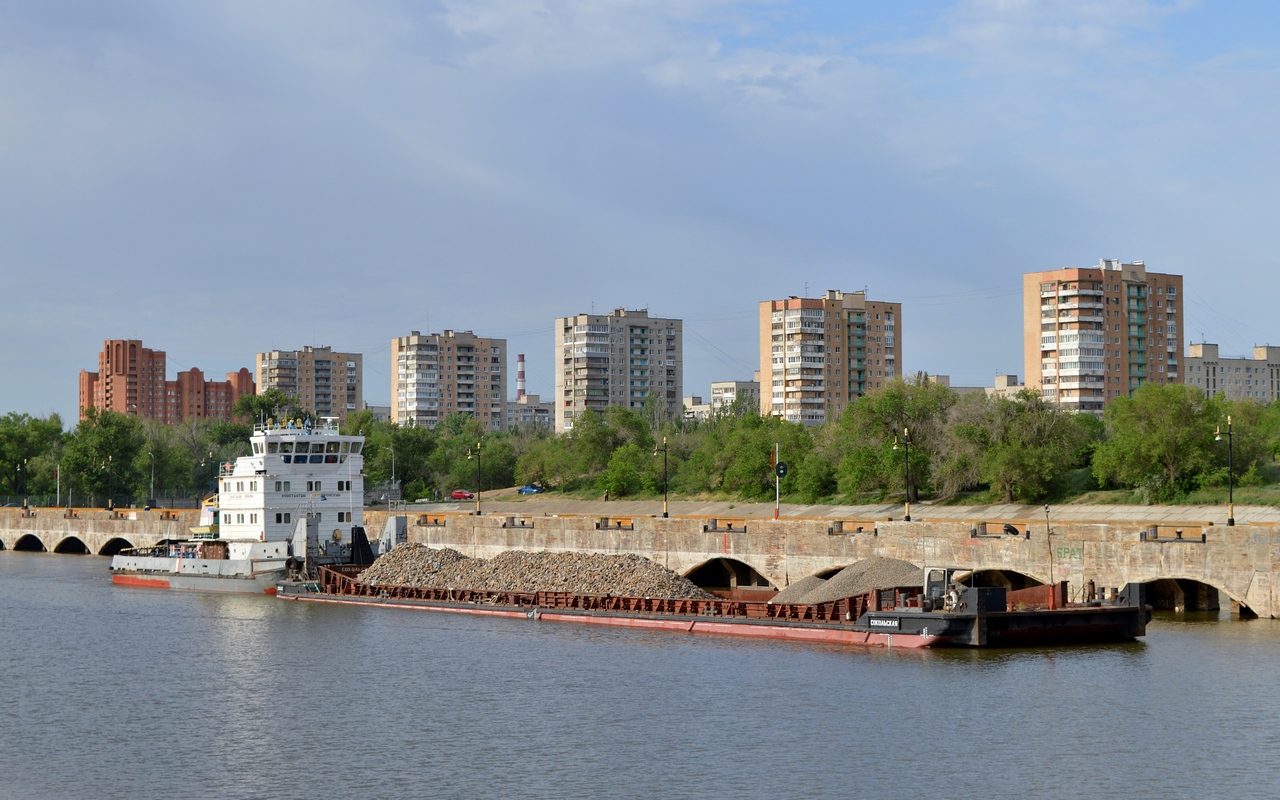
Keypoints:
pixel 29 544
pixel 1 544
pixel 1183 595
pixel 1000 578
pixel 732 579
pixel 114 546
pixel 72 545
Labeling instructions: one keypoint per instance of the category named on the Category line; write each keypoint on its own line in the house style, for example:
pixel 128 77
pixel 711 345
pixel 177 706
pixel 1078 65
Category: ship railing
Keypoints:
pixel 845 610
pixel 325 425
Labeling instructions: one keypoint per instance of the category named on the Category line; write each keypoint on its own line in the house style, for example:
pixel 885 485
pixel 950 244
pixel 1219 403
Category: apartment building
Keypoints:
pixel 817 355
pixel 617 359
pixel 528 411
pixel 452 372
pixel 726 393
pixel 1092 335
pixel 1238 377
pixel 131 379
pixel 723 395
pixel 1006 386
pixel 326 383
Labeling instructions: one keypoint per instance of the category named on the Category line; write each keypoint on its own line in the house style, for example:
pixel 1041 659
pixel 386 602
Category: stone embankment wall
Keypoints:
pixel 100 532
pixel 1242 561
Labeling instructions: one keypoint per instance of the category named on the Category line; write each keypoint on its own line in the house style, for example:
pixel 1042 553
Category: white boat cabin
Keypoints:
pixel 293 471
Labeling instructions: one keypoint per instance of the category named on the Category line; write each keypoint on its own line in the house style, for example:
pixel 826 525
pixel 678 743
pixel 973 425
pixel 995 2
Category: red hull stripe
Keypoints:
pixel 145 583
pixel 754 630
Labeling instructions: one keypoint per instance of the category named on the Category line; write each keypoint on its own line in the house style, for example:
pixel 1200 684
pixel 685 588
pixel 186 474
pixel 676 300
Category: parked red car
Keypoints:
pixel 462 494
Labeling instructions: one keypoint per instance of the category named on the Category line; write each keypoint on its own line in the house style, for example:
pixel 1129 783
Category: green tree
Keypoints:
pixel 1159 440
pixel 546 462
pixel 270 404
pixel 867 432
pixel 1024 446
pixel 815 478
pixel 101 458
pixel 630 471
pixel 29 448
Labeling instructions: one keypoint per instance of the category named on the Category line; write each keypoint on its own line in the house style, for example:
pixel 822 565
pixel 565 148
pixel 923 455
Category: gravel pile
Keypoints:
pixel 795 592
pixel 519 571
pixel 870 573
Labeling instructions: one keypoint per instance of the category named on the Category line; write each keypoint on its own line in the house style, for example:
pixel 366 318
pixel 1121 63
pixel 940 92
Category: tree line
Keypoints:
pixel 1160 442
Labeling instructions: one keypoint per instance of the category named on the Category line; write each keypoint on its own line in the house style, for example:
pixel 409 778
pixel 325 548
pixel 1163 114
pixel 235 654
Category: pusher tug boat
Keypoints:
pixel 298 497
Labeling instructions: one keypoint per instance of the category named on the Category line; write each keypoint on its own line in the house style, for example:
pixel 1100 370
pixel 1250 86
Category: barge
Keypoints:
pixel 938 613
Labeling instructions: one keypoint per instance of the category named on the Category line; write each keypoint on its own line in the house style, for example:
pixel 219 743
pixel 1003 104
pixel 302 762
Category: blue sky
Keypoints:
pixel 223 178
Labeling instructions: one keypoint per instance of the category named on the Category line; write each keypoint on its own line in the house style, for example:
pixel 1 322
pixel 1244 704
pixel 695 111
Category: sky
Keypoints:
pixel 223 178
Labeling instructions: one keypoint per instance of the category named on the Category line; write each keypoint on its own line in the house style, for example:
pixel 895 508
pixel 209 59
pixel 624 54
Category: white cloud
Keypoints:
pixel 493 165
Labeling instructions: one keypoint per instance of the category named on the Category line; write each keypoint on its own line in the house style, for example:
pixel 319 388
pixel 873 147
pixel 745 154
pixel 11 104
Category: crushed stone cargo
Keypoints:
pixel 626 575
pixel 864 576
pixel 795 592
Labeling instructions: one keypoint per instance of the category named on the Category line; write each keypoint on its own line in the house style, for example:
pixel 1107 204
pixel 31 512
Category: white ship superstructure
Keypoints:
pixel 297 499
pixel 294 471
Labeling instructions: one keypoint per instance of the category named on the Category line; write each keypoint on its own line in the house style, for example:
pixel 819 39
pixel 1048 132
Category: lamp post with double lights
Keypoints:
pixel 477 455
pixel 906 471
pixel 663 450
pixel 1231 504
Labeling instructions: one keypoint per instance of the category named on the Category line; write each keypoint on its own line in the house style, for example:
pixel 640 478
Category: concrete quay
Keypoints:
pixel 1187 555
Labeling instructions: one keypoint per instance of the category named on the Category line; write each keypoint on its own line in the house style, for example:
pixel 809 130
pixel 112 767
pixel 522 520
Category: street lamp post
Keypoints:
pixel 906 471
pixel 663 450
pixel 477 476
pixel 109 464
pixel 151 497
pixel 1231 500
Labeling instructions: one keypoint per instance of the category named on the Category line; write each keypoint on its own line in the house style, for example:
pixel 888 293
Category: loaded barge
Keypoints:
pixel 939 613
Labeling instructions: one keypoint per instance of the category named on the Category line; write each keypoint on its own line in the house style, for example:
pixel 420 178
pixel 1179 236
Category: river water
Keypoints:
pixel 109 692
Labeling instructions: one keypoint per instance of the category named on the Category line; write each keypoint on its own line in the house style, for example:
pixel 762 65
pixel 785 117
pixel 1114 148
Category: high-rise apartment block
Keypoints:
pixel 438 374
pixel 1091 335
pixel 326 383
pixel 817 355
pixel 1238 378
pixel 131 380
pixel 617 359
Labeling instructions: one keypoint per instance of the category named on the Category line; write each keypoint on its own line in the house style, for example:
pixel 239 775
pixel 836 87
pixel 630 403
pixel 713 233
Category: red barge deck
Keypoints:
pixel 899 617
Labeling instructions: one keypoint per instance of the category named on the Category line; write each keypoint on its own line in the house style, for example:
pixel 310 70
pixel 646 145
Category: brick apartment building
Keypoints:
pixel 131 379
pixel 324 382
pixel 1092 335
pixel 453 372
pixel 817 355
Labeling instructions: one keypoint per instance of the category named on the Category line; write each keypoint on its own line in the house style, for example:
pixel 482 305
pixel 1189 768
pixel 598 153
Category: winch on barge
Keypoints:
pixel 936 614
pixel 274 510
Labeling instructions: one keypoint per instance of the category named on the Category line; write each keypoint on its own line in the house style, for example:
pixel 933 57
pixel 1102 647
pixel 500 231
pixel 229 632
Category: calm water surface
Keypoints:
pixel 108 692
